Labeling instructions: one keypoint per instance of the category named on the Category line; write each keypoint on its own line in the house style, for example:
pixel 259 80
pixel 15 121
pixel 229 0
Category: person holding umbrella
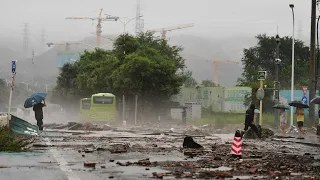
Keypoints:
pixel 35 101
pixel 38 113
pixel 300 120
pixel 300 106
pixel 283 118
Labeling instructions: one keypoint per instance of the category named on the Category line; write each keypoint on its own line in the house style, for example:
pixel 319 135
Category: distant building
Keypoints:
pixel 67 57
pixel 220 99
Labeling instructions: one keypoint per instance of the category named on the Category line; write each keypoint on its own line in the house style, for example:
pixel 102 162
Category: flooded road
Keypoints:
pixel 129 154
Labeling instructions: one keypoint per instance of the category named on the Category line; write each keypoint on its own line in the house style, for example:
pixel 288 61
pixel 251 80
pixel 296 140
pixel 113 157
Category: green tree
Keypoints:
pixel 143 65
pixel 150 68
pixel 208 83
pixel 189 80
pixel 262 57
pixel 94 72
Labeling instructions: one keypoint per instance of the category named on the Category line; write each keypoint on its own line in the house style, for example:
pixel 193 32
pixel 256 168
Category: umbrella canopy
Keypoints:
pixel 315 100
pixel 298 104
pixel 280 106
pixel 34 99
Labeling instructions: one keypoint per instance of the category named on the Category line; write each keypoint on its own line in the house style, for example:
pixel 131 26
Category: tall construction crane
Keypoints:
pixel 164 30
pixel 100 19
pixel 216 69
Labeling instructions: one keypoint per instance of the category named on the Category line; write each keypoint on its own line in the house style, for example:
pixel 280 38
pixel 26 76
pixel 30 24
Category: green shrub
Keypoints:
pixel 9 142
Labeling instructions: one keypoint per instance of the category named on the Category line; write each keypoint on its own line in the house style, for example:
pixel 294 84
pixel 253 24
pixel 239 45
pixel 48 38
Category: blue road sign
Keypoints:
pixel 14 67
pixel 304 100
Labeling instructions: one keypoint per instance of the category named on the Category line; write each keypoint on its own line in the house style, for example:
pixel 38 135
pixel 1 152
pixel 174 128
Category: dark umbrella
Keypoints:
pixel 280 106
pixel 34 99
pixel 315 100
pixel 298 104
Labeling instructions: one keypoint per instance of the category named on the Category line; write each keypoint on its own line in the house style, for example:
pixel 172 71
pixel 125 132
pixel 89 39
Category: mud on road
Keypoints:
pixel 158 154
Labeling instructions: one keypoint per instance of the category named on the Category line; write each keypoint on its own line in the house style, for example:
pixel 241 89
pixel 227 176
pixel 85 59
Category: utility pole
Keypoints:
pixel 43 40
pixel 277 83
pixel 312 61
pixel 317 68
pixel 26 34
pixel 138 19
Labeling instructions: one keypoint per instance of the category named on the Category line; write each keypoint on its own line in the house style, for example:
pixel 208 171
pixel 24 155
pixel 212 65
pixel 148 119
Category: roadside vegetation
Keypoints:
pixel 9 141
pixel 225 118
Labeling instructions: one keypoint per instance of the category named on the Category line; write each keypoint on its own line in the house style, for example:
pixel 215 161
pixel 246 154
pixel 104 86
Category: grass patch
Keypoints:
pixel 238 118
pixel 9 141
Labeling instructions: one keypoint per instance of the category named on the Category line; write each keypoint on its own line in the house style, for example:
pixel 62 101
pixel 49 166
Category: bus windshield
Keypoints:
pixel 86 104
pixel 102 100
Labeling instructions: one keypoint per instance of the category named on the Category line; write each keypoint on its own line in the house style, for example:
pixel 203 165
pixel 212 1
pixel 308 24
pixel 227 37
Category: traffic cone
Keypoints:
pixel 236 149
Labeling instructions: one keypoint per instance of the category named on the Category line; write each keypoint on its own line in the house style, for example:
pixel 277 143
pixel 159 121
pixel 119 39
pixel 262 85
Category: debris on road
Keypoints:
pixel 265 133
pixel 79 126
pixel 89 164
pixel 188 142
pixel 210 159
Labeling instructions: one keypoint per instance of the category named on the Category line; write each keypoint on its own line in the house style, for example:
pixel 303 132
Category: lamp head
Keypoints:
pixel 291 5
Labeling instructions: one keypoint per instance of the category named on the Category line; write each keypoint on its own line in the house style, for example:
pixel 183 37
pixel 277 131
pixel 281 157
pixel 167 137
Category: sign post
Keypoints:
pixel 13 70
pixel 136 110
pixel 304 98
pixel 260 92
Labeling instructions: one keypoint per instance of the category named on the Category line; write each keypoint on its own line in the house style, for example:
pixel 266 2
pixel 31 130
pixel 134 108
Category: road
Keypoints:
pixel 61 155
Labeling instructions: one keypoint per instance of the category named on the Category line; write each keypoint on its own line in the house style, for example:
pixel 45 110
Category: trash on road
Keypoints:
pixel 188 142
pixel 89 164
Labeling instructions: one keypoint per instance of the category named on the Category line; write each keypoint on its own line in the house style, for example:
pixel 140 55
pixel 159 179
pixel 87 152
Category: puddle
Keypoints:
pixel 316 164
pixel 247 177
pixel 317 157
pixel 20 153
pixel 222 168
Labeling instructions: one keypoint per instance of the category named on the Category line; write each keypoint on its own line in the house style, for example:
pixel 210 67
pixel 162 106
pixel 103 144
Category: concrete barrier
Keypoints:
pixel 3 119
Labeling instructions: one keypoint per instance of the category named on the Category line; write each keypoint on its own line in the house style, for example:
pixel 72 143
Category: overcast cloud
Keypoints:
pixel 212 18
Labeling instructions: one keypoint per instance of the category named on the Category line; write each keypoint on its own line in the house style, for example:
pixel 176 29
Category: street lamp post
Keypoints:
pixel 124 28
pixel 27 85
pixel 124 52
pixel 277 83
pixel 46 85
pixel 292 127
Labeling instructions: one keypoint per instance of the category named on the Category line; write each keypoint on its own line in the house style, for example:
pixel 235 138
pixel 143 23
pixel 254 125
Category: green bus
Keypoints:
pixel 85 104
pixel 103 107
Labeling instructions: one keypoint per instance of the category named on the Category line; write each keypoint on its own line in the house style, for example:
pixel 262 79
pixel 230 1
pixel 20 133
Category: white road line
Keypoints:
pixel 62 162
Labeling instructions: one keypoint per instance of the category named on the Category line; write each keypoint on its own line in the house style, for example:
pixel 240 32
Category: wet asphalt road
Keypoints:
pixel 56 156
pixel 62 161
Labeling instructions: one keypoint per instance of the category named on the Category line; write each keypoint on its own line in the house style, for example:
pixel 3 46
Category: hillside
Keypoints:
pixel 198 52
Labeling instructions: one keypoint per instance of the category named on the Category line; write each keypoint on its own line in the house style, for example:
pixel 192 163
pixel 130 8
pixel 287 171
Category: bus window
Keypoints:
pixel 103 100
pixel 86 104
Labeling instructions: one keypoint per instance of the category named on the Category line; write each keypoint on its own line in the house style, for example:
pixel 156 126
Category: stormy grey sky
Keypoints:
pixel 212 18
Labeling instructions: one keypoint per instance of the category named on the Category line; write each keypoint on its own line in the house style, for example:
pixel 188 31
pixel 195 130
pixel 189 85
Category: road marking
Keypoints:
pixel 62 162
